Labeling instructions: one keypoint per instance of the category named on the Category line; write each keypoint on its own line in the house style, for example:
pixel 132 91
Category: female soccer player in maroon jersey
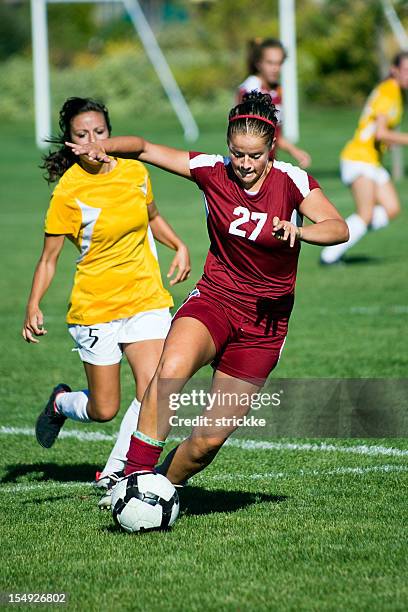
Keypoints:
pixel 265 60
pixel 237 316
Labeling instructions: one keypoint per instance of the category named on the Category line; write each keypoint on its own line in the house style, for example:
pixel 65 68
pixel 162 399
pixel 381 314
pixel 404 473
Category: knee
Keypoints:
pixel 394 211
pixel 102 412
pixel 202 448
pixel 172 366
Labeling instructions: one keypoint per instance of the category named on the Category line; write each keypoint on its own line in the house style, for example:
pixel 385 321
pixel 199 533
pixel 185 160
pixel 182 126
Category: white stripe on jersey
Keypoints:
pixel 203 160
pixel 207 210
pixel 143 187
pixel 152 243
pixel 251 83
pixel 296 218
pixel 298 176
pixel 89 218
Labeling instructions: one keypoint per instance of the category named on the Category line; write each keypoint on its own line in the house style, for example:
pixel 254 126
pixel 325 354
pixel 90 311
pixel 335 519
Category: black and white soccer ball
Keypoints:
pixel 144 501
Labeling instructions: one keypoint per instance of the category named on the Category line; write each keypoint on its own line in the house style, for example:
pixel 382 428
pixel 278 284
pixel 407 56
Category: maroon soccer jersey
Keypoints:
pixel 245 262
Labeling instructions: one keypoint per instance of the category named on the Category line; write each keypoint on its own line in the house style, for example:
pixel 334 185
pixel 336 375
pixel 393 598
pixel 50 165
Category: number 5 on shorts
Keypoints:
pixel 94 338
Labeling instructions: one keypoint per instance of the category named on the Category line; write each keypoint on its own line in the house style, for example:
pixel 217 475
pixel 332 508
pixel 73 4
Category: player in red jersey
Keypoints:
pixel 237 316
pixel 265 59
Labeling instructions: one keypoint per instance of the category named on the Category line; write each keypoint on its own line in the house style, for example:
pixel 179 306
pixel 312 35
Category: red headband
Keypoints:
pixel 264 119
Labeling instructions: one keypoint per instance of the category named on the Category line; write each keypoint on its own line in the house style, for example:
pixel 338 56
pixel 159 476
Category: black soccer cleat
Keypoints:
pixel 49 422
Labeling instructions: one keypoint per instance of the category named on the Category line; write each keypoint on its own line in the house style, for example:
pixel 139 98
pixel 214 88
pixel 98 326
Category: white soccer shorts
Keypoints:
pixel 351 170
pixel 101 344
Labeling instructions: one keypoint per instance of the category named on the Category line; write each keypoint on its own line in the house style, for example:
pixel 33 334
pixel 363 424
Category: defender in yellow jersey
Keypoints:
pixel 361 160
pixel 106 217
pixel 118 303
pixel 385 100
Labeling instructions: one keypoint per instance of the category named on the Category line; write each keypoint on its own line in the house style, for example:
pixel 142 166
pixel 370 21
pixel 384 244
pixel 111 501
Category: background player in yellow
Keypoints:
pixel 118 303
pixel 373 191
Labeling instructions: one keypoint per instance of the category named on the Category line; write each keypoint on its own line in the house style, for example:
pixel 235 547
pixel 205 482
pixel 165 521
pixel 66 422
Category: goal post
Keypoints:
pixel 42 95
pixel 287 27
pixel 41 73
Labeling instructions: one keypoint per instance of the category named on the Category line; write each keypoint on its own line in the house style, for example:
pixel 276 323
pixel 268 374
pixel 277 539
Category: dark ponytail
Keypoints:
pixel 58 162
pixel 263 124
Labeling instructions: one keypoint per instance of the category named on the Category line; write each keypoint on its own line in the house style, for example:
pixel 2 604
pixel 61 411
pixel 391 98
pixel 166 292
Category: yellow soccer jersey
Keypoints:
pixel 105 216
pixel 386 99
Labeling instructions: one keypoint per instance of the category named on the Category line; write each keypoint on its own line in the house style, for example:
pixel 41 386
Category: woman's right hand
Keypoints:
pixel 33 325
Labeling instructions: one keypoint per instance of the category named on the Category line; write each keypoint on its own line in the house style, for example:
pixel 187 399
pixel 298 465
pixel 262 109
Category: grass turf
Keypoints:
pixel 267 529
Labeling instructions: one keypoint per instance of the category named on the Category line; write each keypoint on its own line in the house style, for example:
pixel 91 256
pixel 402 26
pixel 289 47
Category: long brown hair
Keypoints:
pixel 55 163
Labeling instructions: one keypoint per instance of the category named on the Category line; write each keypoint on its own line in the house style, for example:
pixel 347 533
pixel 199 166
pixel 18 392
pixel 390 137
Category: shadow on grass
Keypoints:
pixel 196 501
pixel 351 260
pixel 42 472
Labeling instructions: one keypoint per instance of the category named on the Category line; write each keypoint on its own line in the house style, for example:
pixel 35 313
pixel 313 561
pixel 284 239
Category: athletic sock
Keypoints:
pixel 142 456
pixel 357 229
pixel 117 459
pixel 380 218
pixel 73 405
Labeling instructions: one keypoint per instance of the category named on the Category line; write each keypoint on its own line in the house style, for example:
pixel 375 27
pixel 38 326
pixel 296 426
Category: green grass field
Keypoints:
pixel 280 525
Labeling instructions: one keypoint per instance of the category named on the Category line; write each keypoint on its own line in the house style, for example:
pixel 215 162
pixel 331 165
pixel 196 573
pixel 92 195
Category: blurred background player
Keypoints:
pixel 265 59
pixel 373 191
pixel 118 303
pixel 237 316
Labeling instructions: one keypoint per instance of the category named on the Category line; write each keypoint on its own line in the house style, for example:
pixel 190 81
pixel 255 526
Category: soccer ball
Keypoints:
pixel 144 501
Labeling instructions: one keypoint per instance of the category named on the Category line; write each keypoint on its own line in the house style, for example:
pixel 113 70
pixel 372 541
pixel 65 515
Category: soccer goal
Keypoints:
pixel 42 96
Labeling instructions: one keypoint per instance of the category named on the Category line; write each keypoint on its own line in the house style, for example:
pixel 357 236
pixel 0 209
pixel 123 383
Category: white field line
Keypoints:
pixel 339 471
pixel 22 488
pixel 81 436
pixel 361 449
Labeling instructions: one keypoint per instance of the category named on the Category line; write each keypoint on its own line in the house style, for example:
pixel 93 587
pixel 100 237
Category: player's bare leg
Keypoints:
pixel 143 358
pixel 200 448
pixel 188 347
pixel 387 198
pixel 100 402
pixel 104 391
pixel 364 193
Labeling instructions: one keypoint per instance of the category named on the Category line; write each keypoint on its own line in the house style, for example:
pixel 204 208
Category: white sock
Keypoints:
pixel 73 405
pixel 357 229
pixel 117 459
pixel 380 218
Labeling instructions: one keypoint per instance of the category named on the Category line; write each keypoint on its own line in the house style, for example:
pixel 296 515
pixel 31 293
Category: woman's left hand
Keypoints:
pixel 284 230
pixel 181 263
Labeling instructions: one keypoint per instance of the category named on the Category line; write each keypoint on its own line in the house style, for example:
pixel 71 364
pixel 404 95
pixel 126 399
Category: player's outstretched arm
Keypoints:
pixel 135 147
pixel 302 157
pixel 328 226
pixel 164 233
pixel 43 275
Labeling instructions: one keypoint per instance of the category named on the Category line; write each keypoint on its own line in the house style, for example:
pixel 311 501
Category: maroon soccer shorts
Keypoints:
pixel 248 340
